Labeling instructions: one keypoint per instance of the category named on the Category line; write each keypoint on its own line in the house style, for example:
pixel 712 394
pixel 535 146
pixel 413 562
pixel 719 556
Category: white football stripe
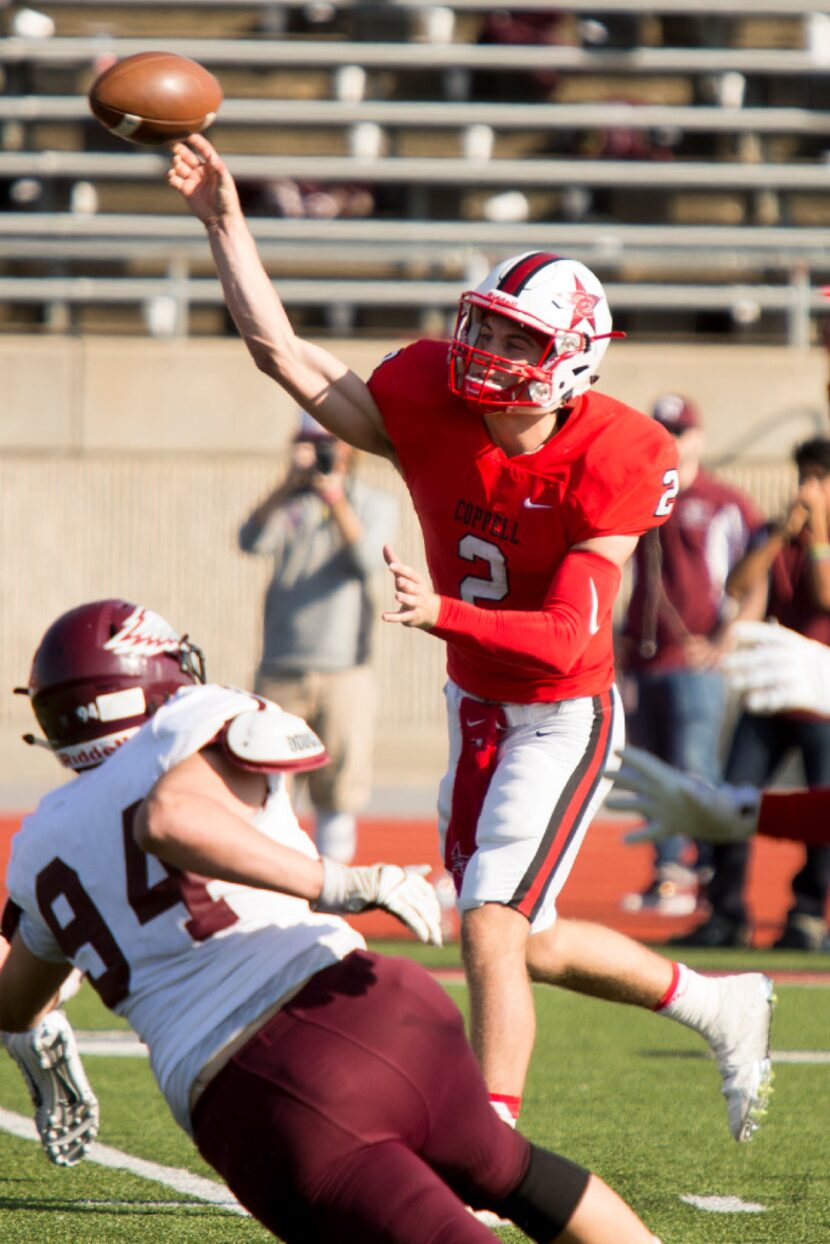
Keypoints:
pixel 170 1176
pixel 127 126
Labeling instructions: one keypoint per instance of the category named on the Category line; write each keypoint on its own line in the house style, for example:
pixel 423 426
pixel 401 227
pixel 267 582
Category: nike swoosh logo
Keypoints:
pixel 535 505
pixel 593 620
pixel 479 722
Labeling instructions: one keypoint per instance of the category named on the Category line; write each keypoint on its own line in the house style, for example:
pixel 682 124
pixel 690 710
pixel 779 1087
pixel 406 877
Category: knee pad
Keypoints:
pixel 545 1200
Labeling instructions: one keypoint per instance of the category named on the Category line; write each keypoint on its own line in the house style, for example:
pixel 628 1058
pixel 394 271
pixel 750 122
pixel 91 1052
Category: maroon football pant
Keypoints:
pixel 358 1113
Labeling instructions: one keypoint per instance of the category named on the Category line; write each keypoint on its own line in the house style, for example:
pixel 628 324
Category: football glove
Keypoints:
pixel 776 669
pixel 66 1109
pixel 671 802
pixel 402 891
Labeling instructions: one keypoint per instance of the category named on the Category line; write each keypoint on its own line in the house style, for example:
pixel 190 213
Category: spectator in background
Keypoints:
pixel 676 627
pixel 325 531
pixel 523 28
pixel 608 29
pixel 292 199
pixel 792 557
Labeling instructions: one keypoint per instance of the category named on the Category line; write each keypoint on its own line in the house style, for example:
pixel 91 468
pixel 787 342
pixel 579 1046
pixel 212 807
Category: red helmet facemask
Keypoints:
pixel 494 382
pixel 561 304
pixel 100 672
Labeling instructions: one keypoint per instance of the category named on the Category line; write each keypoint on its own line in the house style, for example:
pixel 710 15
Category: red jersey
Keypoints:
pixel 496 528
pixel 680 574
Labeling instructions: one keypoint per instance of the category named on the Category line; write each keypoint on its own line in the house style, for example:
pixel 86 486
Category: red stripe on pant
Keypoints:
pixel 482 726
pixel 587 775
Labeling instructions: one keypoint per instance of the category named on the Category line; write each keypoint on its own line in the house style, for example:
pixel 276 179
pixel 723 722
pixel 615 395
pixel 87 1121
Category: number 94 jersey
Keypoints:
pixel 497 528
pixel 176 954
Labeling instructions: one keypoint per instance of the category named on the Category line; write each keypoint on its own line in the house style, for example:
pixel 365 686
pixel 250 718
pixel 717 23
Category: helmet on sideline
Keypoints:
pixel 561 302
pixel 102 670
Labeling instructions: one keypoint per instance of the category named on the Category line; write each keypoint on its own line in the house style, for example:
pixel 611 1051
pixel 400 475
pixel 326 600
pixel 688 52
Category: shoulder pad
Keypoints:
pixel 267 740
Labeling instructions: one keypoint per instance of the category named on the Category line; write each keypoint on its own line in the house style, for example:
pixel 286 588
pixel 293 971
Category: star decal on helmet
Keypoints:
pixel 583 305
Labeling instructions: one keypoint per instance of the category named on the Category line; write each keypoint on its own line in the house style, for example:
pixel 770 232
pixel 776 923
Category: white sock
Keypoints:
pixel 507 1108
pixel 335 834
pixel 694 1000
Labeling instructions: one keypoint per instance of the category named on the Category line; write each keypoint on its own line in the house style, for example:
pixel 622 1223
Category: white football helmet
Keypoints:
pixel 558 298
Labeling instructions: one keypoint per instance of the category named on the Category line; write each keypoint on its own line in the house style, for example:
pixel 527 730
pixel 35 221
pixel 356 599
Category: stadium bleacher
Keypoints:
pixel 693 179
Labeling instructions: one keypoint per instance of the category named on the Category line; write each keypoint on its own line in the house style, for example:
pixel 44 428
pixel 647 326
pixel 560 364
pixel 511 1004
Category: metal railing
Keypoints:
pixel 292 53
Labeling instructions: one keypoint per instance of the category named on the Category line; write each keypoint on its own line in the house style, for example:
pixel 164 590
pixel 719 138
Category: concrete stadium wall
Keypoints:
pixel 125 395
pixel 126 467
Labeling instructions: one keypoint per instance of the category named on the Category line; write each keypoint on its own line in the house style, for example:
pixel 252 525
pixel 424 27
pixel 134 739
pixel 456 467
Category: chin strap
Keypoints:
pixel 34 741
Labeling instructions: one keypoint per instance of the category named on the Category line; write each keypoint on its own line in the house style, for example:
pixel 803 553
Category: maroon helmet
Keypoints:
pixel 100 672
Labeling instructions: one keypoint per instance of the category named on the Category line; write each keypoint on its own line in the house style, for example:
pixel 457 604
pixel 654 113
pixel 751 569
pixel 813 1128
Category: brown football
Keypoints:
pixel 155 98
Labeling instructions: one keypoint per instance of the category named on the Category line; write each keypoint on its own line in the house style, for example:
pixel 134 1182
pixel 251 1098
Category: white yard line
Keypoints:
pixel 120 1043
pixel 171 1176
pixel 813 1057
pixel 117 1042
pixel 723 1204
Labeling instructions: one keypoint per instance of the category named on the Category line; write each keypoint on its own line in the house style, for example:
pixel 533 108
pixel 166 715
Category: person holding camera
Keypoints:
pixel 325 530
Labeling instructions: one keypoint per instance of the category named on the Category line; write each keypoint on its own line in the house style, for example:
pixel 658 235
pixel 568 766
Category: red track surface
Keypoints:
pixel 605 870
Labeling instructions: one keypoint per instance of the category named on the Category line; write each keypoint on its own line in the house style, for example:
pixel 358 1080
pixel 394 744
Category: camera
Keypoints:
pixel 325 456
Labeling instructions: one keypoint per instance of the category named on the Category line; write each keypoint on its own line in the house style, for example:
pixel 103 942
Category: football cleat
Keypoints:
pixel 739 1036
pixel 66 1109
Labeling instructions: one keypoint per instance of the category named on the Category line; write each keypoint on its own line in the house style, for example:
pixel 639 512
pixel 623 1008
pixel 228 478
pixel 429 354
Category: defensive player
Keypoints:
pixel 774 670
pixel 669 800
pixel 332 1088
pixel 531 493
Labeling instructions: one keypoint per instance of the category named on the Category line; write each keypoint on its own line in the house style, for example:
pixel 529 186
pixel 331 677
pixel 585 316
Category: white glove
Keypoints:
pixel 671 802
pixel 776 669
pixel 66 1109
pixel 402 891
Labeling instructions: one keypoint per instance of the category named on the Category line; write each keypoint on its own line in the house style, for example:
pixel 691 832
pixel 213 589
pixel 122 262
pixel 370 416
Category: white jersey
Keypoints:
pixel 187 960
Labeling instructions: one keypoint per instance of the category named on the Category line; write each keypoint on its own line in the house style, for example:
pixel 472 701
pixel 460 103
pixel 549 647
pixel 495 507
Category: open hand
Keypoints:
pixel 776 670
pixel 202 178
pixel 671 802
pixel 419 605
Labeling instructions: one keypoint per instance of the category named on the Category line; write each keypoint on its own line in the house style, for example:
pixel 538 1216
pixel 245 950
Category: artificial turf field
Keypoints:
pixel 631 1095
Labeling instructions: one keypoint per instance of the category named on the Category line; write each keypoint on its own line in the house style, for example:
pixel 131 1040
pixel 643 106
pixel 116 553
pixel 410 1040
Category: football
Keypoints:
pixel 155 98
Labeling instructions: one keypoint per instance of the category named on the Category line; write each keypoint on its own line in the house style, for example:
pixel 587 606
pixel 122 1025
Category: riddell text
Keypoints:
pixel 489 521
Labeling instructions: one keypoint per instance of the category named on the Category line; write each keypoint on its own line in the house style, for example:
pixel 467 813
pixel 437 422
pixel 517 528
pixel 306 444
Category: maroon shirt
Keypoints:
pixel 680 571
pixel 791 598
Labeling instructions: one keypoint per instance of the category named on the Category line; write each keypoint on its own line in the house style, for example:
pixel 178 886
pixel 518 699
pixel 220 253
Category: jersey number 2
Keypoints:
pixel 473 548
pixel 58 886
pixel 666 503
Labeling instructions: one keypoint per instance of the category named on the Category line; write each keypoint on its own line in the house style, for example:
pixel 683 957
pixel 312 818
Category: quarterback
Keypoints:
pixel 532 492
pixel 174 874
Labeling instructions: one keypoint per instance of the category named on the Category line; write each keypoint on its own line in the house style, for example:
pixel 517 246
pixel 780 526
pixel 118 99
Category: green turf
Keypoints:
pixel 629 1094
